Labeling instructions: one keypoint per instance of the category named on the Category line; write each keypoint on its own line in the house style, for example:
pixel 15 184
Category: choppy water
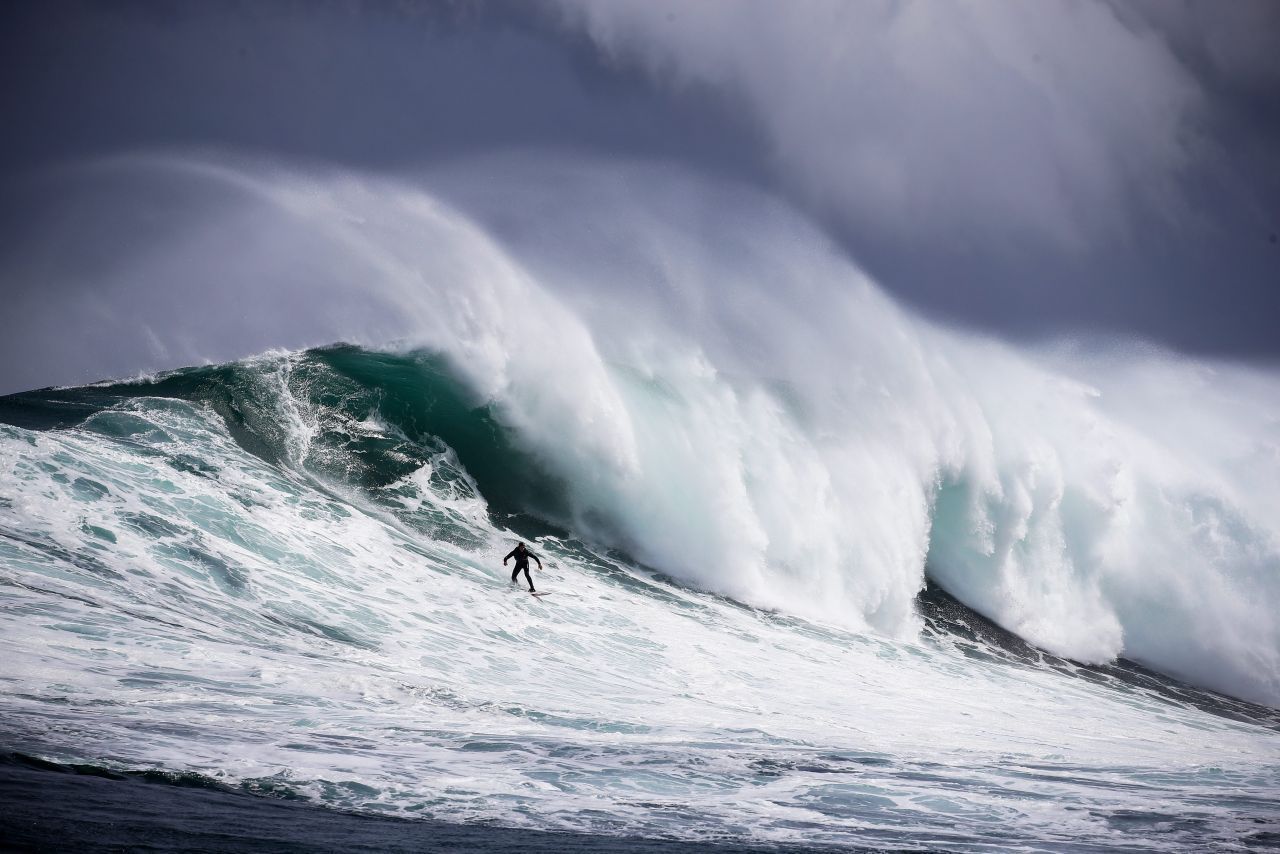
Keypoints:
pixel 285 576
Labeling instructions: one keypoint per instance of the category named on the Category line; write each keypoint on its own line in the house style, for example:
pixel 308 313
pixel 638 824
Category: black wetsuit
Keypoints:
pixel 522 555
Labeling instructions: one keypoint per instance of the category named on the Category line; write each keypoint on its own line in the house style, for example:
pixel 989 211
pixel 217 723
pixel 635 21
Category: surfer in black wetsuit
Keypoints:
pixel 522 555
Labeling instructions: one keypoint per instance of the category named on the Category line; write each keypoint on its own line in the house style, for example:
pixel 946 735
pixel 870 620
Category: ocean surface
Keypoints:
pixel 262 605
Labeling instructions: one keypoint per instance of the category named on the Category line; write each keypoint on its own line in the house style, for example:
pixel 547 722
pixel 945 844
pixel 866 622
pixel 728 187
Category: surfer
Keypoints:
pixel 522 554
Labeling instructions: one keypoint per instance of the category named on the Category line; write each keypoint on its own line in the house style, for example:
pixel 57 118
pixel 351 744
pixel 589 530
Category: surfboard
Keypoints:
pixel 548 593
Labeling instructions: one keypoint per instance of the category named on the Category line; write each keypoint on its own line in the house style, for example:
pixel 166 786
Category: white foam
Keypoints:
pixel 370 669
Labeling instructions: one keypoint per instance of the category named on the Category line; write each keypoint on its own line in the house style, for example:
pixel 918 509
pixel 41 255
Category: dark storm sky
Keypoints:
pixel 1025 169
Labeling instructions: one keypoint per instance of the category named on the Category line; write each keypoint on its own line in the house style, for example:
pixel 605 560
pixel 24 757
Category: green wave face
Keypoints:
pixel 343 414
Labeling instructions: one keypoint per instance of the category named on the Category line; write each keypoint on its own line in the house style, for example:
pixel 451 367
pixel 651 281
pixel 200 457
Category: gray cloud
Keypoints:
pixel 984 122
pixel 1035 168
pixel 1231 44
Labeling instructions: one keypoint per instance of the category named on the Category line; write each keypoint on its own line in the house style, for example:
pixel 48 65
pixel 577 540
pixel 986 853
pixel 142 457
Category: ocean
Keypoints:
pixel 261 605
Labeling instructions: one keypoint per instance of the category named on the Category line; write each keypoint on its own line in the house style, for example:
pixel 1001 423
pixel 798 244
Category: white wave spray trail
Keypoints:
pixel 702 382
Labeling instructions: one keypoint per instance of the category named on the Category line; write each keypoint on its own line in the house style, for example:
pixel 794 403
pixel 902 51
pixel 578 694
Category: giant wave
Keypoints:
pixel 746 465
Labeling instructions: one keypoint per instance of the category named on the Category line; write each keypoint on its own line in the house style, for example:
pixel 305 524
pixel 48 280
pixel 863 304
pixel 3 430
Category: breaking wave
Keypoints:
pixel 779 513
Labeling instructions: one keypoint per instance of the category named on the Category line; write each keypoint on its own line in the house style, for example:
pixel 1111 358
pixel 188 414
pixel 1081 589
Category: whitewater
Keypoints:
pixel 822 571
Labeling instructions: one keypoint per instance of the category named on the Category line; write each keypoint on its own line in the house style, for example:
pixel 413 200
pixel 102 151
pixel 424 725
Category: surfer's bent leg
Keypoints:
pixel 515 574
pixel 528 578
